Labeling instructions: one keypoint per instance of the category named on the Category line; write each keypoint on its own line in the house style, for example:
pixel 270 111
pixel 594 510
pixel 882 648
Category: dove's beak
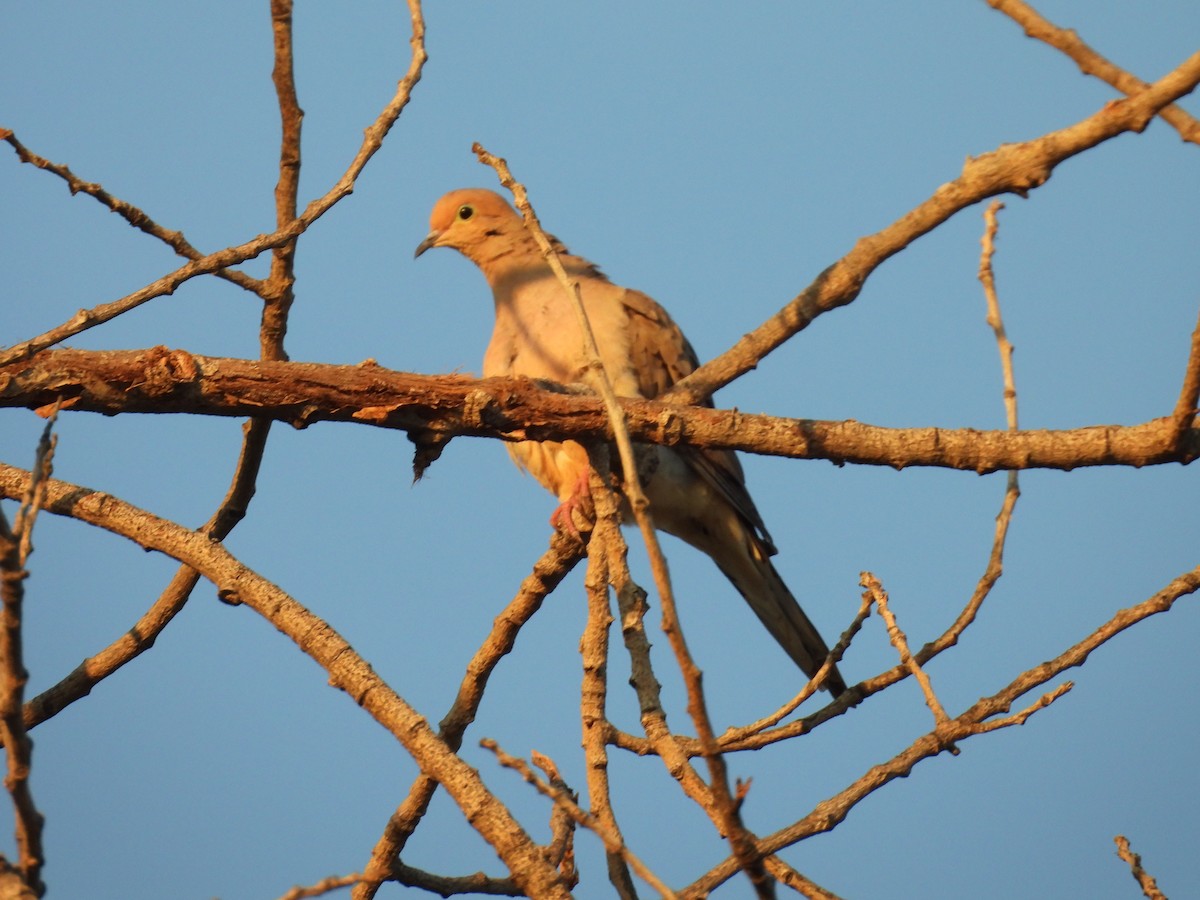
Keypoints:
pixel 431 240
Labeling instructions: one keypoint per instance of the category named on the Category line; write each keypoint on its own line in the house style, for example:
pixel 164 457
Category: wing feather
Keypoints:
pixel 663 356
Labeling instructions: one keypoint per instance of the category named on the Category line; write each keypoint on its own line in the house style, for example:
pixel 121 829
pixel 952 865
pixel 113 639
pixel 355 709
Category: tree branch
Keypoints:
pixel 1144 879
pixel 347 671
pixel 1090 62
pixel 16 544
pixel 127 211
pixel 561 557
pixel 611 838
pixel 159 380
pixel 1011 168
pixel 284 234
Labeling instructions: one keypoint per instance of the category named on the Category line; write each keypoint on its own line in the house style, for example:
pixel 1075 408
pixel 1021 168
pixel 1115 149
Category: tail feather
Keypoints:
pixel 691 499
pixel 791 627
pixel 767 594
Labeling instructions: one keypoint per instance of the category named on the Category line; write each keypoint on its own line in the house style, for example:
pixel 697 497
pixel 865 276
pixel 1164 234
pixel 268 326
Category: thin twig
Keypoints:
pixel 789 877
pixel 612 842
pixel 230 256
pixel 1144 879
pixel 1090 62
pixel 561 849
pixel 31 503
pixel 449 885
pixel 15 546
pixel 979 719
pixel 127 211
pixel 554 565
pixel 900 642
pixel 1019 718
pixel 143 634
pixel 1184 417
pixel 995 565
pixel 322 887
pixel 737 735
pixel 987 277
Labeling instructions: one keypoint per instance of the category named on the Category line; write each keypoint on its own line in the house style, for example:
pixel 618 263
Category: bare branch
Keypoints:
pixel 1011 168
pixel 1090 62
pixel 347 671
pixel 593 647
pixel 174 381
pixel 1019 718
pixel 900 642
pixel 322 887
pixel 1184 416
pixel 15 546
pixel 789 877
pixel 432 410
pixel 564 552
pixel 231 256
pixel 735 736
pixel 612 842
pixel 998 704
pixel 141 637
pixel 448 885
pixel 995 565
pixel 973 721
pixel 560 850
pixel 987 278
pixel 1144 879
pixel 555 564
pixel 278 293
pixel 631 603
pixel 127 211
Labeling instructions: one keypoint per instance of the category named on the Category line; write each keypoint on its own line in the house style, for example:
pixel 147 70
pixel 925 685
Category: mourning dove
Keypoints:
pixel 697 495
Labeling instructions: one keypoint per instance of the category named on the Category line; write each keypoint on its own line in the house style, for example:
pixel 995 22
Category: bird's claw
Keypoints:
pixel 563 518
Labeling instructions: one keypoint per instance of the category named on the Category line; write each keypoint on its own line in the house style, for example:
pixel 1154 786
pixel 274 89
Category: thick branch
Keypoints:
pixel 165 381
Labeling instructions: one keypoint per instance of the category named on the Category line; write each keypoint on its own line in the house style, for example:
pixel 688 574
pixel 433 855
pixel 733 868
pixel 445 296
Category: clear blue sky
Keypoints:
pixel 718 157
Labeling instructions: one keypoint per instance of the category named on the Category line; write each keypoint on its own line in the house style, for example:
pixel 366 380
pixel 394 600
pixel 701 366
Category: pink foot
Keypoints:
pixel 563 518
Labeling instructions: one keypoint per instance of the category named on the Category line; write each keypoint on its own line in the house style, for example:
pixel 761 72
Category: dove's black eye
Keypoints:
pixel 466 211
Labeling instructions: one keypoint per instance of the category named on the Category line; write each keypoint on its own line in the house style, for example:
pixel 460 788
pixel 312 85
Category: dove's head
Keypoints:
pixel 469 220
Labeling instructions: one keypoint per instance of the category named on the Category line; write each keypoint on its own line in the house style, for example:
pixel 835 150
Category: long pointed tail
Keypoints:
pixel 703 500
pixel 750 570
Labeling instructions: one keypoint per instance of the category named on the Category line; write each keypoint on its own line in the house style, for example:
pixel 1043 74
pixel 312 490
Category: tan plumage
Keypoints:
pixel 697 495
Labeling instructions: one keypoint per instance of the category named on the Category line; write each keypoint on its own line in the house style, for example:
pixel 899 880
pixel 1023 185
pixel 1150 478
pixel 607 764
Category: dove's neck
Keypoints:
pixel 513 258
